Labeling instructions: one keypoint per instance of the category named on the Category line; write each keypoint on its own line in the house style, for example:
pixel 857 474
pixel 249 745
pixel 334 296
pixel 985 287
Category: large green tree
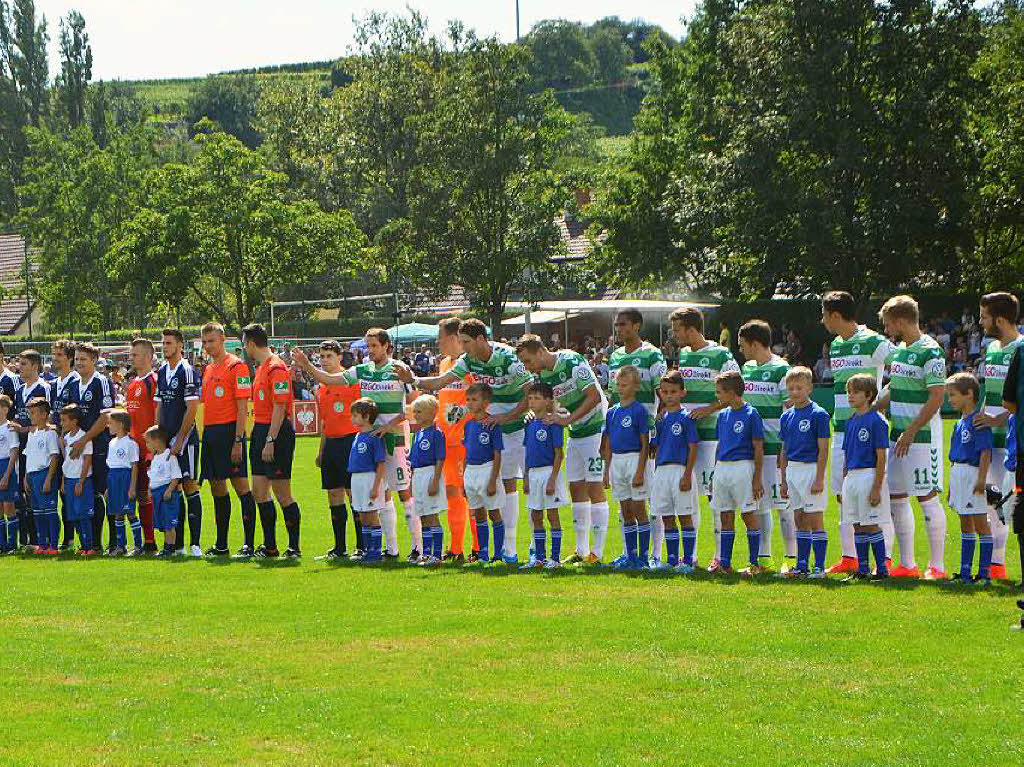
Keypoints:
pixel 75 69
pixel 562 57
pixel 23 41
pixel 231 102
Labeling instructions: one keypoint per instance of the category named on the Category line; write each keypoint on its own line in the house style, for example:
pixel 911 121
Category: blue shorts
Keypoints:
pixel 79 507
pixel 10 493
pixel 165 513
pixel 118 482
pixel 41 501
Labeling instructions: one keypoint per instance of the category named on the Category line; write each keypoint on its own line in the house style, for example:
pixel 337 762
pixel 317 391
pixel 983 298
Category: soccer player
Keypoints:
pixel 700 362
pixel 543 482
pixel 367 465
pixel 30 363
pixel 122 483
pixel 177 402
pixel 865 491
pixel 764 375
pixel 498 366
pixel 140 402
pixel 673 490
pixel 970 451
pixel 95 399
pixel 225 393
pixel 381 379
pixel 64 392
pixel 272 446
pixel 77 473
pixel 337 433
pixel 917 382
pixel 855 350
pixel 803 461
pixel 999 313
pixel 625 445
pixel 42 475
pixel 739 483
pixel 582 408
pixel 9 451
pixel 650 364
pixel 164 479
pixel 427 461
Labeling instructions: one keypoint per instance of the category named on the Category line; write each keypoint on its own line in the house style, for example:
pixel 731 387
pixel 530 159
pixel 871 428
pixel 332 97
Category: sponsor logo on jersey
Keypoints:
pixel 280 387
pixel 368 386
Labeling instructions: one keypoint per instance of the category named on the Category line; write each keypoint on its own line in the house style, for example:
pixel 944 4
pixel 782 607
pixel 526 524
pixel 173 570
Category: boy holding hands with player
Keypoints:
pixel 122 482
pixel 484 493
pixel 77 472
pixel 543 482
pixel 427 461
pixel 164 479
pixel 366 465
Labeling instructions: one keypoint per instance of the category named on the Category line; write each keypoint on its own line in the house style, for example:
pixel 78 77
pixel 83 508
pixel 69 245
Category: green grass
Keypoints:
pixel 201 663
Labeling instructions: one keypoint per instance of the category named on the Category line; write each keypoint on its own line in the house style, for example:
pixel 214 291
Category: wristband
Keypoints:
pixel 270 439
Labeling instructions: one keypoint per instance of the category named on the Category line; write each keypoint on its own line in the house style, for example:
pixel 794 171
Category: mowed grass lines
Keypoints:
pixel 203 663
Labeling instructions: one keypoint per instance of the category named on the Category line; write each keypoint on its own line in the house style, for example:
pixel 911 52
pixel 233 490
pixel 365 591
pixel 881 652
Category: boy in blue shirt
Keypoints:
pixel 366 464
pixel 673 493
pixel 543 482
pixel 624 447
pixel 865 492
pixel 804 430
pixel 1010 480
pixel 427 461
pixel 485 494
pixel 970 452
pixel 739 458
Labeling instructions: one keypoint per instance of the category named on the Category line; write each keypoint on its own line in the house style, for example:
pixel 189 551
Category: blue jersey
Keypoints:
pixel 63 392
pixel 175 388
pixel 863 435
pixel 9 383
pixel 1010 462
pixel 22 397
pixel 675 436
pixel 968 442
pixel 625 425
pixel 736 429
pixel 96 397
pixel 481 442
pixel 427 448
pixel 542 440
pixel 801 428
pixel 367 451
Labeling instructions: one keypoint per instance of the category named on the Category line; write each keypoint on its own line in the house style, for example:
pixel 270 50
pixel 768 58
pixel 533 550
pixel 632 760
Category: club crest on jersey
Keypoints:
pixel 87 397
pixel 542 435
pixel 260 395
pixel 174 383
pixel 361 447
pixel 219 391
pixel 805 425
pixel 121 452
pixel 485 438
pixel 338 407
pixel 280 387
pixel 738 427
pixel 677 429
pixel 627 422
pixel 766 375
pixel 1007 358
pixel 965 436
pixel 424 444
pixel 863 435
pixel 855 349
pixel 705 361
pixel 912 358
pixel 108 402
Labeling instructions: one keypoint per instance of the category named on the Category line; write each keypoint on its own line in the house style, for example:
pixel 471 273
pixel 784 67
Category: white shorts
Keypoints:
pixel 538 499
pixel 799 478
pixel 622 471
pixel 474 482
pixel 857 508
pixel 1010 506
pixel 396 469
pixel 513 455
pixel 734 487
pixel 962 498
pixel 997 468
pixel 362 484
pixel 583 462
pixel 836 464
pixel 704 468
pixel 772 498
pixel 918 473
pixel 667 500
pixel 422 502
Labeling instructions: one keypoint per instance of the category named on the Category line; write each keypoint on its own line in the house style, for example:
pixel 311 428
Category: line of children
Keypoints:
pixel 543 482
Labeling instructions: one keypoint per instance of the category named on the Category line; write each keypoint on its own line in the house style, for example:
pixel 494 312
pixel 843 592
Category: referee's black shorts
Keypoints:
pixel 334 463
pixel 215 458
pixel 284 451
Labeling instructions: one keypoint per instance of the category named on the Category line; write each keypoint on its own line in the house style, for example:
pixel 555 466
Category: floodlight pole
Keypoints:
pixel 517 40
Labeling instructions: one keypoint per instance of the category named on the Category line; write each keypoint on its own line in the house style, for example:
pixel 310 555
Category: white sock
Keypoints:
pixel 767 525
pixel 581 512
pixel 903 524
pixel 935 523
pixel 510 516
pixel 696 526
pixel 415 526
pixel 716 529
pixel 887 534
pixel 657 536
pixel 599 527
pixel 1000 533
pixel 846 539
pixel 787 523
pixel 389 521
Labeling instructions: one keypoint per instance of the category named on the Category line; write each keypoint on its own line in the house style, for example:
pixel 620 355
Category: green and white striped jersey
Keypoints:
pixel 864 352
pixel 699 368
pixel 505 374
pixel 914 370
pixel 650 362
pixel 380 384
pixel 997 363
pixel 765 390
pixel 570 378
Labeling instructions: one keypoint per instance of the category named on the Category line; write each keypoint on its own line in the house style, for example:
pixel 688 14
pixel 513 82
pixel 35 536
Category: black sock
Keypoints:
pixel 1020 548
pixel 293 521
pixel 339 518
pixel 68 536
pixel 195 517
pixel 99 513
pixel 179 531
pixel 27 525
pixel 112 531
pixel 249 512
pixel 358 529
pixel 268 519
pixel 222 516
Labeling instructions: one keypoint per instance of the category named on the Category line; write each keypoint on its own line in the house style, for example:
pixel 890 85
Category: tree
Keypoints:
pixel 76 68
pixel 12 145
pixel 223 231
pixel 23 43
pixel 230 101
pixel 561 56
pixel 611 54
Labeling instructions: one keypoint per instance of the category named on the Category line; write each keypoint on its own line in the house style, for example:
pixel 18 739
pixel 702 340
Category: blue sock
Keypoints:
pixel 861 541
pixel 672 545
pixel 984 555
pixel 367 542
pixel 631 540
pixel 12 532
pixel 556 543
pixel 376 539
pixel 136 526
pixel 819 541
pixel 803 550
pixel 967 541
pixel 644 538
pixel 539 541
pixel 877 541
pixel 438 541
pixel 754 545
pixel 482 531
pixel 85 533
pixel 42 528
pixel 499 538
pixel 3 533
pixel 726 538
pixel 689 545
pixel 122 543
pixel 54 522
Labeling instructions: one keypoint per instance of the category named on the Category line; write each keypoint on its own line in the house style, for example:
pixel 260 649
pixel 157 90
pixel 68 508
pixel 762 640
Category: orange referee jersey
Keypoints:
pixel 335 405
pixel 273 384
pixel 141 408
pixel 224 383
pixel 452 413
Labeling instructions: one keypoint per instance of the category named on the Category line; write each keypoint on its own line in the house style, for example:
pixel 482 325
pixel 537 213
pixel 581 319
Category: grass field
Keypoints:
pixel 202 663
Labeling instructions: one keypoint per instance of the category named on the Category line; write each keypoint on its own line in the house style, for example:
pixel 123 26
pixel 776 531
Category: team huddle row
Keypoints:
pixel 496 418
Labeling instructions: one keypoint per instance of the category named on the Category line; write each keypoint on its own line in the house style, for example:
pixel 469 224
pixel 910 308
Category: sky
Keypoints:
pixel 155 39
